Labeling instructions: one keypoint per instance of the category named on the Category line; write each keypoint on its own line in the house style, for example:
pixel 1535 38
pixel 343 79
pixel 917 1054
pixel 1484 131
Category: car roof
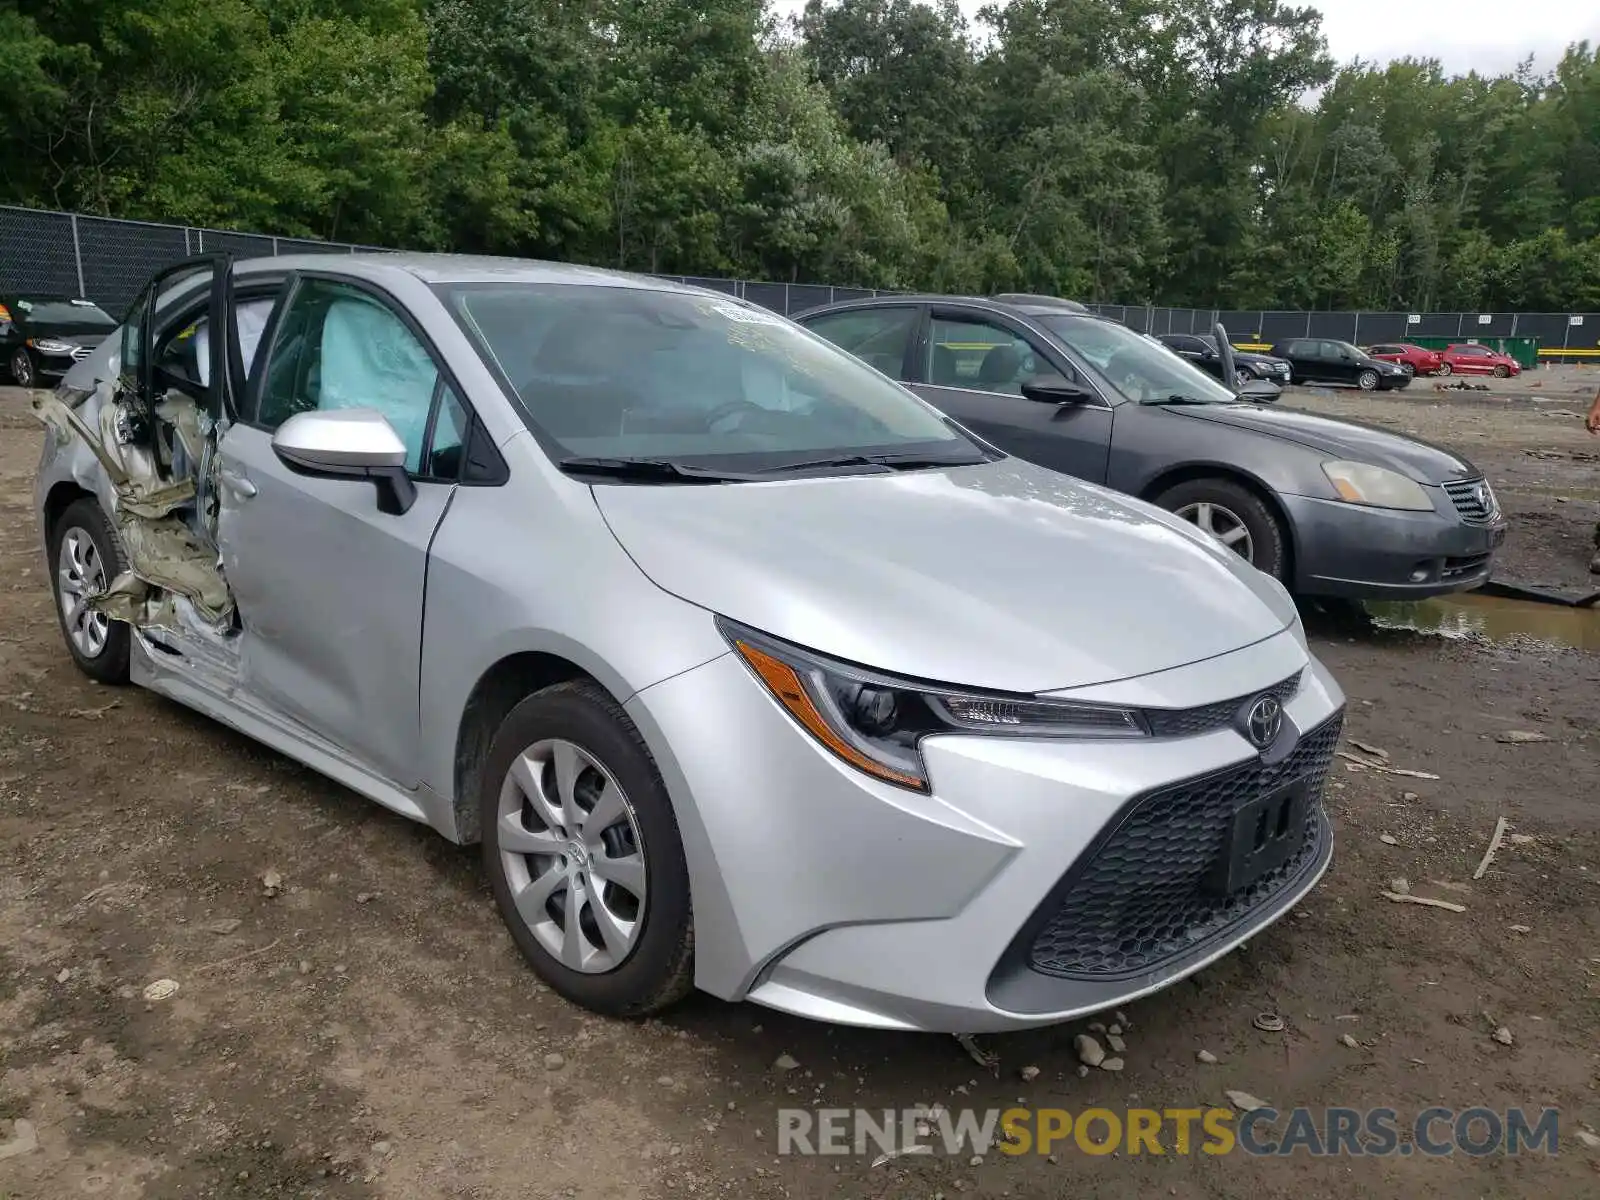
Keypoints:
pixel 1042 308
pixel 461 268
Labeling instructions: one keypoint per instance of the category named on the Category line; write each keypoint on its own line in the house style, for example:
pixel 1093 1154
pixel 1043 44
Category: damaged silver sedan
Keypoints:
pixel 748 668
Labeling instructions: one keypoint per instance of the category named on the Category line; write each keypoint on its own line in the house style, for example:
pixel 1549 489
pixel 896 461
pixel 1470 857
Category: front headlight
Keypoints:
pixel 1376 487
pixel 53 346
pixel 875 722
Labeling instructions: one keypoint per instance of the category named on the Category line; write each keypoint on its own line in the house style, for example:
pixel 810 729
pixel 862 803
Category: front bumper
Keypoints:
pixel 1374 553
pixel 821 892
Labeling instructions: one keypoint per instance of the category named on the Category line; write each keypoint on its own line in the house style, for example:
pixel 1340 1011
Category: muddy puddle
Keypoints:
pixel 1492 617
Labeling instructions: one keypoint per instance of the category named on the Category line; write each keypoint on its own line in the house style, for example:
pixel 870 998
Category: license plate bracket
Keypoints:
pixel 1266 833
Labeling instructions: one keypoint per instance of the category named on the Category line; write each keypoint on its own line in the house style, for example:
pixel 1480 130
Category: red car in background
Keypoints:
pixel 1469 358
pixel 1415 359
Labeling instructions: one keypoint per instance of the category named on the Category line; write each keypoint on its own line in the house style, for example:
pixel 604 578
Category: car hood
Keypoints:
pixel 66 332
pixel 1001 575
pixel 1252 356
pixel 1413 458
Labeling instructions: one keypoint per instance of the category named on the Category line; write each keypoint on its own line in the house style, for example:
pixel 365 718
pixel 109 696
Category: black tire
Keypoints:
pixel 1445 368
pixel 1501 370
pixel 1269 540
pixel 1408 369
pixel 110 665
pixel 1368 380
pixel 659 970
pixel 23 373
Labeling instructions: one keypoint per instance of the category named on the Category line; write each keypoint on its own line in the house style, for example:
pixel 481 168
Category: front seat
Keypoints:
pixel 1000 368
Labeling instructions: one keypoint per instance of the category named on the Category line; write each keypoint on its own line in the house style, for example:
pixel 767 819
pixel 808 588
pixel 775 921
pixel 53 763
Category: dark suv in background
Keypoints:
pixel 42 336
pixel 1326 360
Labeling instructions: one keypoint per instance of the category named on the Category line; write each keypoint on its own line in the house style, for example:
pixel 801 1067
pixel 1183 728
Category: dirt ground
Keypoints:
pixel 369 1031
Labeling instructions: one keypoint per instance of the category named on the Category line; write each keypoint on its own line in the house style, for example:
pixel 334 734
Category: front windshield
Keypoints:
pixel 83 313
pixel 1139 369
pixel 636 373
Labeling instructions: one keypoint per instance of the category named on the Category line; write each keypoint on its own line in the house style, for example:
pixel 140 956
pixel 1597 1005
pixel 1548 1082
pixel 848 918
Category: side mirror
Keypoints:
pixel 1262 391
pixel 349 443
pixel 1053 389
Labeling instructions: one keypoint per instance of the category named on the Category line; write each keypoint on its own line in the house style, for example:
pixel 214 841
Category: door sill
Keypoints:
pixel 153 671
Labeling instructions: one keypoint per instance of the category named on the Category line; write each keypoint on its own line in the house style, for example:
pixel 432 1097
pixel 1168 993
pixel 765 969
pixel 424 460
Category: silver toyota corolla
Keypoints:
pixel 748 669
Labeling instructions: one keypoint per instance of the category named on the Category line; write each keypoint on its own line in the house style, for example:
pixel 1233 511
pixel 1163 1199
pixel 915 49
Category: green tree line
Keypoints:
pixel 1186 152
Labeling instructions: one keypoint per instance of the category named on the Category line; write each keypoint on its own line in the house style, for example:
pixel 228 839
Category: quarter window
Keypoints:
pixel 339 347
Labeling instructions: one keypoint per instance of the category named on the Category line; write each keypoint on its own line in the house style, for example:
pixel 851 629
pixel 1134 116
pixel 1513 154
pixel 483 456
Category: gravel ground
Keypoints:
pixel 369 1031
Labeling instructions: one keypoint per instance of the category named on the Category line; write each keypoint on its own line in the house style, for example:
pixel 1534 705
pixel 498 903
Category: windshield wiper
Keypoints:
pixel 1180 398
pixel 894 462
pixel 658 470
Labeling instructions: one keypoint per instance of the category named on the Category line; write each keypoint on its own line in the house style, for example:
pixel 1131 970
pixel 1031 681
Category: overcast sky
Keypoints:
pixel 1488 36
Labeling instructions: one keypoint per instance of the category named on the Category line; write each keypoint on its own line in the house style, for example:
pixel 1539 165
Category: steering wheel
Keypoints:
pixel 1122 369
pixel 732 408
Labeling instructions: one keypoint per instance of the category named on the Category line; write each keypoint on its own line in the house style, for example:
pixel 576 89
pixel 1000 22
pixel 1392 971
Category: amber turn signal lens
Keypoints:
pixel 785 684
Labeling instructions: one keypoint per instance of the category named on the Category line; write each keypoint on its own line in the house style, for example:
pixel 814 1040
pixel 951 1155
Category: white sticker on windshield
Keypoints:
pixel 746 316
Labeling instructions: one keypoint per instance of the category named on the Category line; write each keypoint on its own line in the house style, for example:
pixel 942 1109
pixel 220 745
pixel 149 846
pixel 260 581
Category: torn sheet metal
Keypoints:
pixel 166 557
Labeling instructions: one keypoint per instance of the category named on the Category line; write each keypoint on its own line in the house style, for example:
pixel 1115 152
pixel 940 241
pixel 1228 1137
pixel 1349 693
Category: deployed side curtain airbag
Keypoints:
pixel 371 360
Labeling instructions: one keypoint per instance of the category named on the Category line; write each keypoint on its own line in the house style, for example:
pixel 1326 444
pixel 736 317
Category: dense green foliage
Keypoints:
pixel 1133 150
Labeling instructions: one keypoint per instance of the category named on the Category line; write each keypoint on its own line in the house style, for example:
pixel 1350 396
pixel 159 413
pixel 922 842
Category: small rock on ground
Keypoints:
pixel 1503 1036
pixel 1204 1056
pixel 1089 1051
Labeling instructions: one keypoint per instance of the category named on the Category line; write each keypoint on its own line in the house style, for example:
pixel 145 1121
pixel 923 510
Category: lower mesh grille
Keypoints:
pixel 1142 896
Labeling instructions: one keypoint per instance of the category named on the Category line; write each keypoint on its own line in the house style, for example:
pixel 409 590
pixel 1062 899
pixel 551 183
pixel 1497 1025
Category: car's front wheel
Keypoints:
pixel 1367 380
pixel 86 557
pixel 1501 370
pixel 23 373
pixel 583 852
pixel 1236 517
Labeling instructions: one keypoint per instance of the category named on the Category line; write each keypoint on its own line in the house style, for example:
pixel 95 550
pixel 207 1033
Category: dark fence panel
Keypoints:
pixel 245 245
pixel 37 254
pixel 806 295
pixel 1340 326
pixel 769 295
pixel 109 261
pixel 119 257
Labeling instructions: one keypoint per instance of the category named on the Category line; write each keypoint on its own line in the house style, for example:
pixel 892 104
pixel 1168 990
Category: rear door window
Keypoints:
pixel 877 336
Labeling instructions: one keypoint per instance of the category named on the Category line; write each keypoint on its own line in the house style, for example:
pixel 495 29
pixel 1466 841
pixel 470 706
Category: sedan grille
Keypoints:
pixel 1474 500
pixel 1188 722
pixel 1143 895
pixel 79 353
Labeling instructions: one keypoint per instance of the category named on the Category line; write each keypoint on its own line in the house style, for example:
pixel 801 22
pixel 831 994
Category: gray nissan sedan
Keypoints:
pixel 747 668
pixel 1330 507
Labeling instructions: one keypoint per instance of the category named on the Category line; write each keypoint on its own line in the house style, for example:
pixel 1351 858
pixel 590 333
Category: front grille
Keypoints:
pixel 1474 500
pixel 79 353
pixel 1188 722
pixel 1141 896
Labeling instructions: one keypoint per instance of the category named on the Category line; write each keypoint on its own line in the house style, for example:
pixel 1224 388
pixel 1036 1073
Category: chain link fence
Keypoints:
pixel 108 261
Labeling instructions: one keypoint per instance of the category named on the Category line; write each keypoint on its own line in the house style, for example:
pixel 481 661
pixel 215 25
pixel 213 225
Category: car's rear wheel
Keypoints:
pixel 1501 370
pixel 1236 517
pixel 86 556
pixel 1367 380
pixel 1445 368
pixel 583 852
pixel 23 372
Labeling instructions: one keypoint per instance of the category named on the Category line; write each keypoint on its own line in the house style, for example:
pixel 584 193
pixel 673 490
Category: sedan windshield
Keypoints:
pixel 655 379
pixel 84 313
pixel 1136 367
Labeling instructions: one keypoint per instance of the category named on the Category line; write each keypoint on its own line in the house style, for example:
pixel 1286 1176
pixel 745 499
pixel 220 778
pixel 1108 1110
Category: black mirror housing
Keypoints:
pixel 1053 389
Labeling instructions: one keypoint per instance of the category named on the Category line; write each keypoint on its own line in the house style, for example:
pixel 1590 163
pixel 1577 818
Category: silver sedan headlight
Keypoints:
pixel 1376 487
pixel 875 722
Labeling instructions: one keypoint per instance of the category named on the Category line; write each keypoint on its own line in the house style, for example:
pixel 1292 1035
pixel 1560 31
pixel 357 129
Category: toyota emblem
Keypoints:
pixel 1264 721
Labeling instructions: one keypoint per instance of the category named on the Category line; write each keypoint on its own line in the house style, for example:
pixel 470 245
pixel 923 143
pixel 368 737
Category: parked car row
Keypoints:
pixel 1465 358
pixel 904 667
